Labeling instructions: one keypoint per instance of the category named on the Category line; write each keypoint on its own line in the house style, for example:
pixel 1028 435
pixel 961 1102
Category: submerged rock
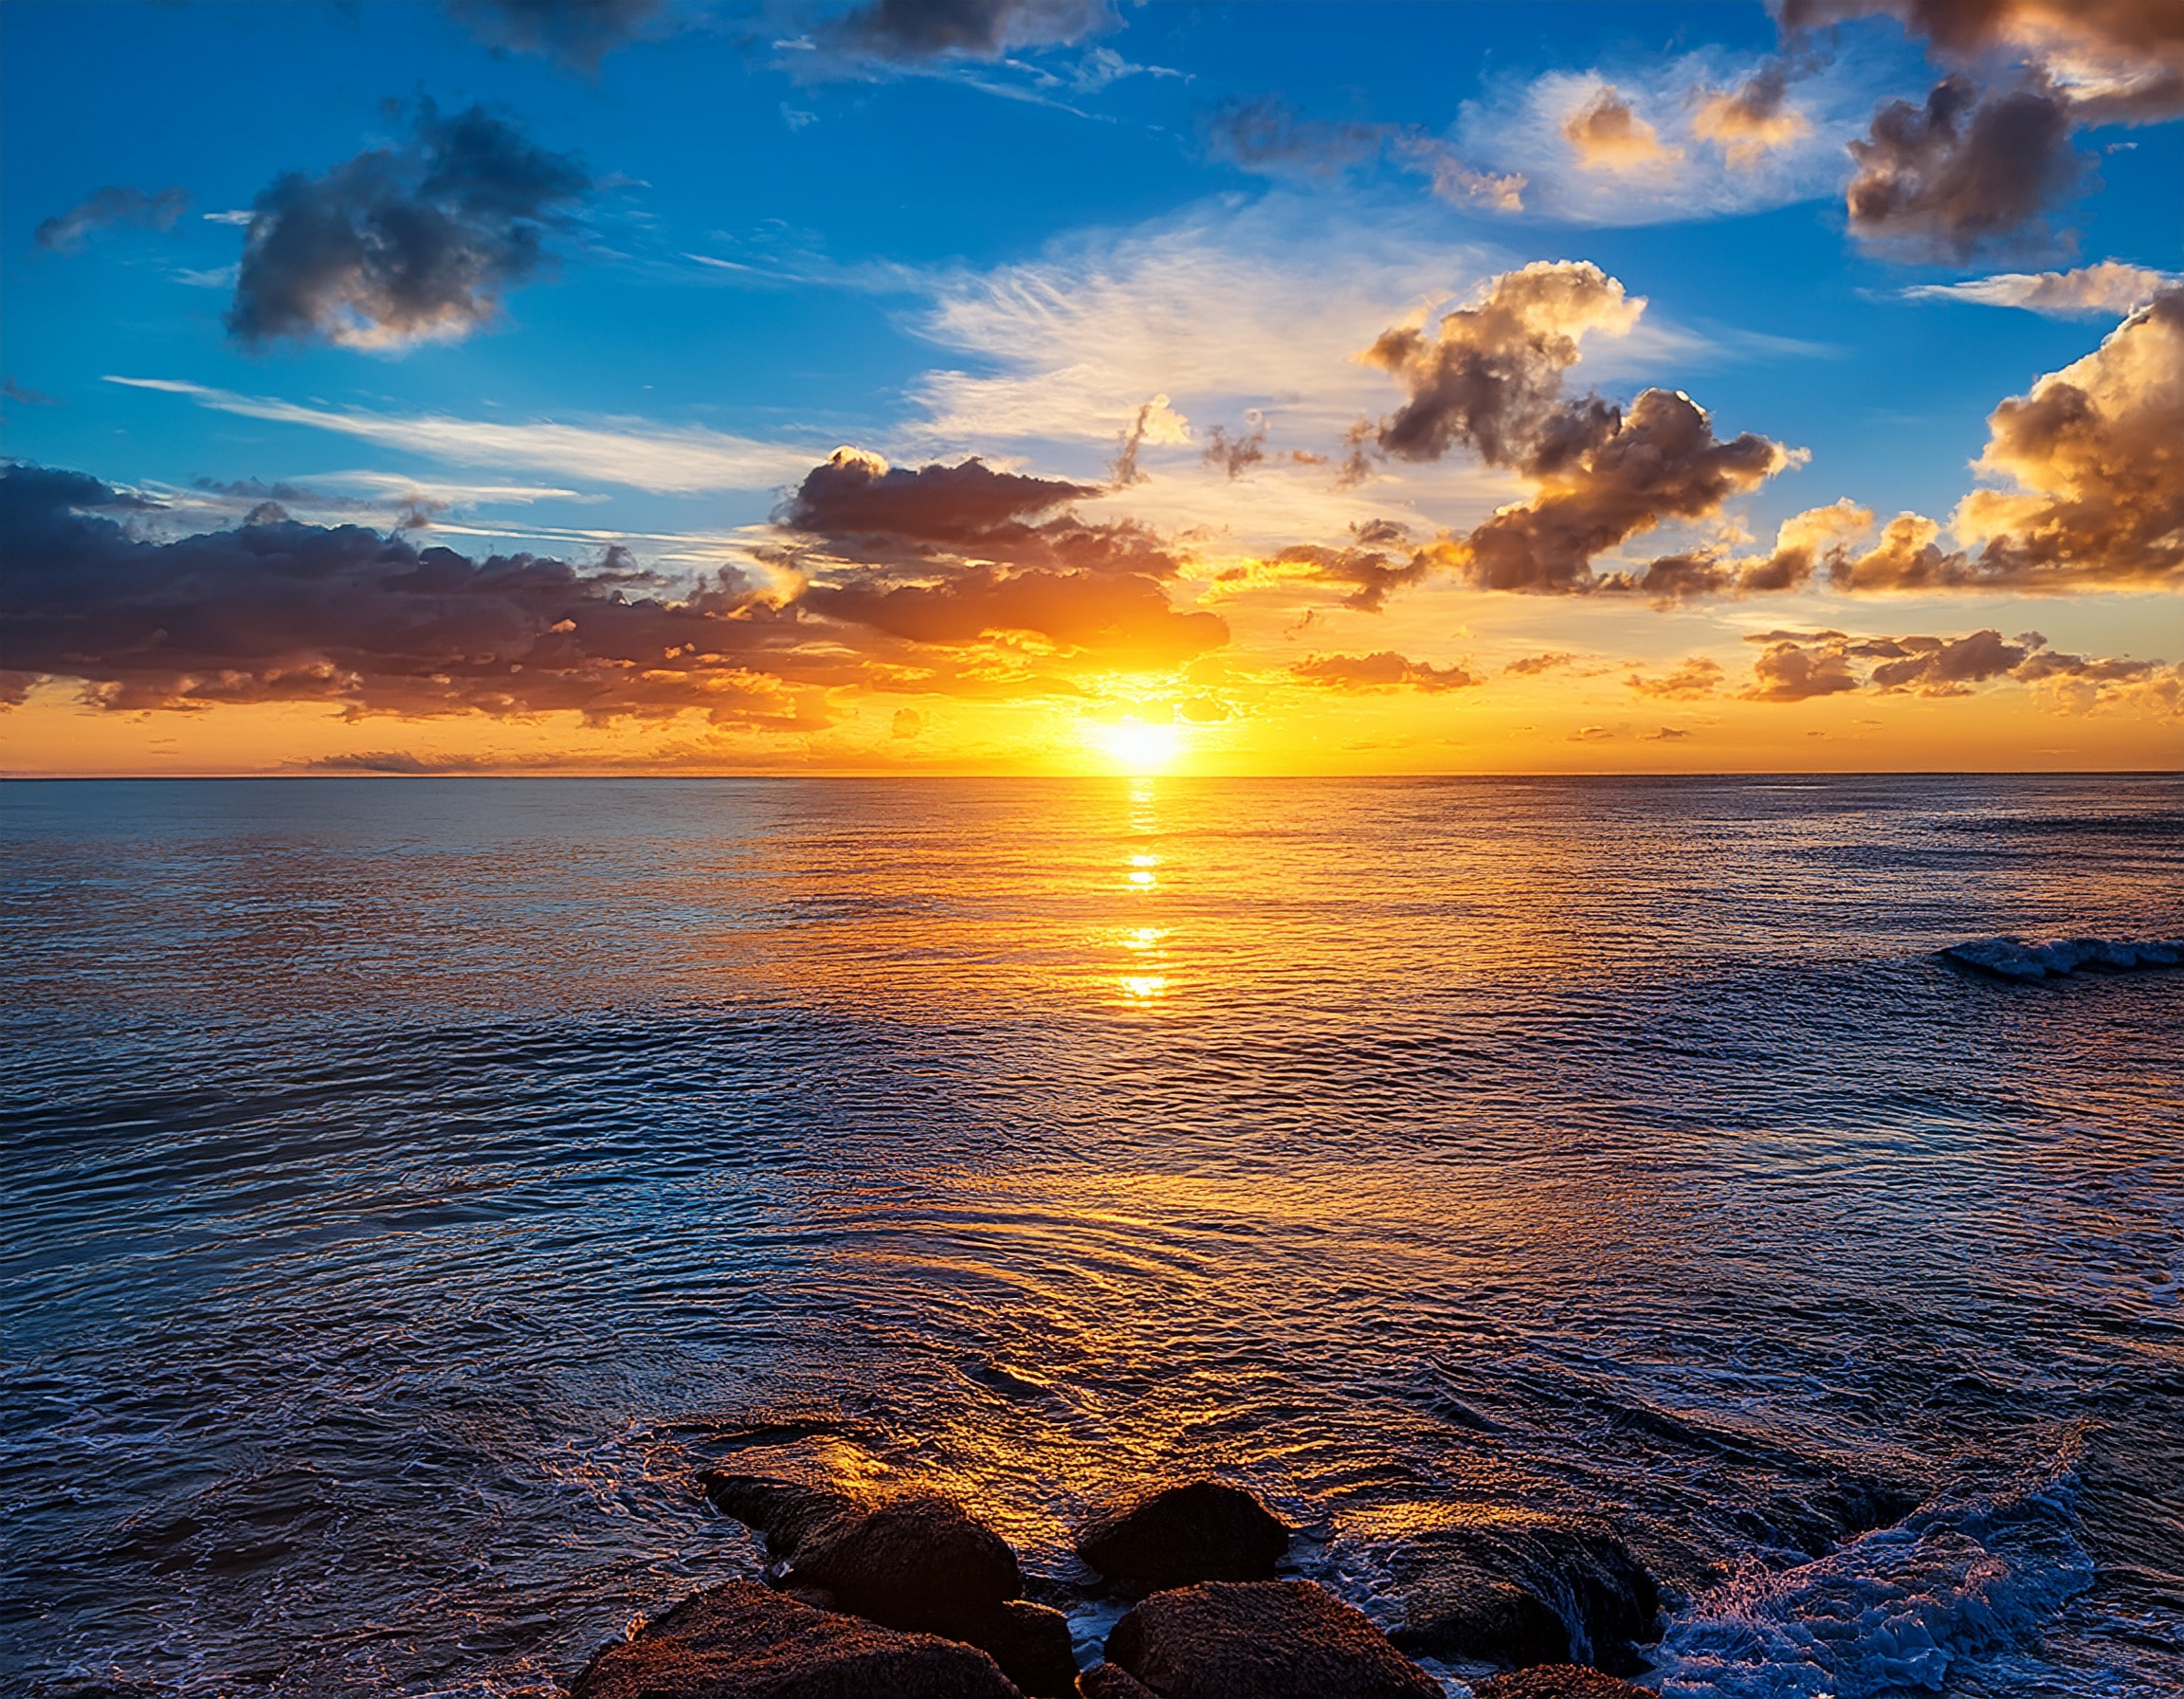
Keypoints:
pixel 1557 1681
pixel 1204 1531
pixel 746 1641
pixel 1031 1643
pixel 1259 1641
pixel 1517 1588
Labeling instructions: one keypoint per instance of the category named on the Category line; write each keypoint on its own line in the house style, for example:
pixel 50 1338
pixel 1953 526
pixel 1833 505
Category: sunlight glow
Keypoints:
pixel 1139 746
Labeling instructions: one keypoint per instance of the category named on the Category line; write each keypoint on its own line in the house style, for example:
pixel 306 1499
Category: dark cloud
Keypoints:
pixel 1269 136
pixel 1368 576
pixel 278 611
pixel 1964 171
pixel 2115 61
pixel 405 244
pixel 913 31
pixel 68 232
pixel 1797 665
pixel 578 33
pixel 1383 671
pixel 1530 666
pixel 1235 455
pixel 947 555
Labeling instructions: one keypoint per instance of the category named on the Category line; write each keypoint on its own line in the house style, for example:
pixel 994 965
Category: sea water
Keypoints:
pixel 410 1183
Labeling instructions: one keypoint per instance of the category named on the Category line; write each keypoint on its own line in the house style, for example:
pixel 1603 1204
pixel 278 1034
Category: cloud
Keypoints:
pixel 1798 665
pixel 1963 172
pixel 578 33
pixel 1606 135
pixel 950 554
pixel 2090 465
pixel 115 203
pixel 2108 290
pixel 668 460
pixel 1490 378
pixel 2114 60
pixel 280 611
pixel 25 397
pixel 1235 455
pixel 1383 671
pixel 1751 120
pixel 1701 675
pixel 1491 381
pixel 403 245
pixel 1157 424
pixel 915 31
pixel 1269 136
pixel 1530 666
pixel 1368 576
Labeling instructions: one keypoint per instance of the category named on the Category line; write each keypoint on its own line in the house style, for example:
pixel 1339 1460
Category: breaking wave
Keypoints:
pixel 2013 959
pixel 1965 1574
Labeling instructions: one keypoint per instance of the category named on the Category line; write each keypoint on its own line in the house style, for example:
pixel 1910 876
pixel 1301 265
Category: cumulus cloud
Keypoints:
pixel 1751 120
pixel 1267 135
pixel 578 33
pixel 1491 381
pixel 1157 425
pixel 1964 171
pixel 2090 472
pixel 277 611
pixel 2108 290
pixel 115 203
pixel 1383 671
pixel 1798 665
pixel 403 245
pixel 948 554
pixel 1607 135
pixel 2114 60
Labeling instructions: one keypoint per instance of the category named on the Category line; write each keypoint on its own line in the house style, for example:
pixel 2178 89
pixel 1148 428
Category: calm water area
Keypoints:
pixel 408 1184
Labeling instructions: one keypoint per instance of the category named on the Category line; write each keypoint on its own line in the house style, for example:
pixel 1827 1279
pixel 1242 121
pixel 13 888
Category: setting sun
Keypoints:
pixel 1137 747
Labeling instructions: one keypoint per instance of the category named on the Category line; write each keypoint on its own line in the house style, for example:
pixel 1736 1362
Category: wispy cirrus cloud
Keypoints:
pixel 116 204
pixel 2108 290
pixel 669 459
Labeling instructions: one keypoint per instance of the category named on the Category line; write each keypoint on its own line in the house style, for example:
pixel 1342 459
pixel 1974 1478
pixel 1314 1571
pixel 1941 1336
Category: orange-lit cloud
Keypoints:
pixel 1607 135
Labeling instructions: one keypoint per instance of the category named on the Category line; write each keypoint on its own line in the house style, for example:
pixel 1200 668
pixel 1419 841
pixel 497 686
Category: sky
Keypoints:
pixel 1072 386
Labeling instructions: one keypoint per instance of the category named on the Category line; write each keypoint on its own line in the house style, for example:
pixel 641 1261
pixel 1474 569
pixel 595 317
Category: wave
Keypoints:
pixel 2013 959
pixel 1963 1576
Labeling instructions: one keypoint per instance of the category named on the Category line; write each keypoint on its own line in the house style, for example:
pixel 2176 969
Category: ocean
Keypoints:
pixel 408 1184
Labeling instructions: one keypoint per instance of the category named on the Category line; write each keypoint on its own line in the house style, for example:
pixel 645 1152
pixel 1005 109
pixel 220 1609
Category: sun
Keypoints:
pixel 1138 746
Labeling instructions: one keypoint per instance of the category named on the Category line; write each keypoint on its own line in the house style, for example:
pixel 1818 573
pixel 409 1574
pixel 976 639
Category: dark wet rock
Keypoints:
pixel 1112 1681
pixel 782 1511
pixel 914 1564
pixel 746 1641
pixel 1030 1642
pixel 1515 1588
pixel 1557 1681
pixel 1260 1640
pixel 1204 1531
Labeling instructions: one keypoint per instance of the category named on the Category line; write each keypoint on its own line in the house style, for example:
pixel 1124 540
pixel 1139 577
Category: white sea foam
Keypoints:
pixel 1965 1574
pixel 2013 959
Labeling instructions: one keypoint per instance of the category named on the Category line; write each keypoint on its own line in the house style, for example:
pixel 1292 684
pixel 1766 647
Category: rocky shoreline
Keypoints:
pixel 914 1597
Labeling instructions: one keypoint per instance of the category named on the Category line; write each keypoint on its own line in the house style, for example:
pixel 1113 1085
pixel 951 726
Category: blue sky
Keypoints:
pixel 797 231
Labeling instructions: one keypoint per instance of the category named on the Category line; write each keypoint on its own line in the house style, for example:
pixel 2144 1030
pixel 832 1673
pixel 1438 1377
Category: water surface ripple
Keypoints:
pixel 408 1184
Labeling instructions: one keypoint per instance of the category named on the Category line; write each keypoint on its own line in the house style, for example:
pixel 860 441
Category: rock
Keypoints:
pixel 783 1511
pixel 1030 1642
pixel 745 1641
pixel 1261 1641
pixel 914 1564
pixel 1205 1531
pixel 1112 1681
pixel 1557 1681
pixel 1515 1587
